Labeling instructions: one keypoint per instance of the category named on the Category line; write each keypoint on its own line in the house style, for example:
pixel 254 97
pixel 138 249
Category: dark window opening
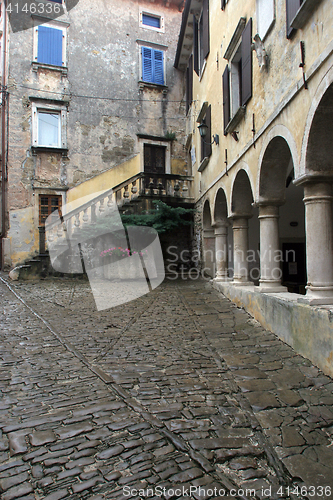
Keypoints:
pixel 292 7
pixel 154 159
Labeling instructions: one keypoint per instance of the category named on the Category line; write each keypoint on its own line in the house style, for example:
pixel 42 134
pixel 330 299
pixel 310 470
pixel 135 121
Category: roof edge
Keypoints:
pixel 186 12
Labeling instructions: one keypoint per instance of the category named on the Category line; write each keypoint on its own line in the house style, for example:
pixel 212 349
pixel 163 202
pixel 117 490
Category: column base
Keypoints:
pixel 318 295
pixel 312 301
pixel 271 289
pixel 221 279
pixel 242 283
pixel 270 286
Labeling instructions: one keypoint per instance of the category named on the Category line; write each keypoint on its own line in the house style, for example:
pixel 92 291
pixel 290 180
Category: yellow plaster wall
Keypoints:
pixel 270 87
pixel 102 182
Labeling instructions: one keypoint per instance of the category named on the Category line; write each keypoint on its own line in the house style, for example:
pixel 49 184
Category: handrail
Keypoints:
pixel 79 209
pixel 115 189
pixel 153 174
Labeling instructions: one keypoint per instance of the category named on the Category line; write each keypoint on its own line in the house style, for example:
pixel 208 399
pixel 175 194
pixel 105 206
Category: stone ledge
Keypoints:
pixel 308 329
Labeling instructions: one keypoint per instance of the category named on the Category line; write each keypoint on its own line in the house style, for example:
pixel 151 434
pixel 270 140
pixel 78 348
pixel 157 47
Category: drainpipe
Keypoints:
pixel 3 136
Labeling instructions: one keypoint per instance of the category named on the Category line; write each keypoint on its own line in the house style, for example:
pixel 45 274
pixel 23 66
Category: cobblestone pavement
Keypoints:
pixel 178 394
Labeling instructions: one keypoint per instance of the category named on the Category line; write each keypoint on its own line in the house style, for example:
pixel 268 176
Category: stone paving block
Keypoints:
pixel 110 452
pixel 17 443
pixel 86 485
pixel 69 431
pixel 262 400
pixel 42 437
pixel 57 495
pixel 17 491
pixel 8 482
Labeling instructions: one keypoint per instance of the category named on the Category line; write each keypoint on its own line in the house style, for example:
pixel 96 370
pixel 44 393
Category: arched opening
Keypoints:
pixel 208 242
pixel 222 234
pixel 317 183
pixel 282 222
pixel 320 144
pixel 245 229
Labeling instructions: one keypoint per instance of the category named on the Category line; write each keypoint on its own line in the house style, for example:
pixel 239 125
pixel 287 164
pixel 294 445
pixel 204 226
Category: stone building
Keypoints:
pixel 260 86
pixel 94 100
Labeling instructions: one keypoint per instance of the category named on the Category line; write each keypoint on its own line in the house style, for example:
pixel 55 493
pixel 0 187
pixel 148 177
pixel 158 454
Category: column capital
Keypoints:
pixel 268 212
pixel 220 230
pixel 208 233
pixel 314 178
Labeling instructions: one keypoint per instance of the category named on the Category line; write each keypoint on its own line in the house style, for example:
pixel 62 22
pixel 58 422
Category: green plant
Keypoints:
pixel 170 135
pixel 162 217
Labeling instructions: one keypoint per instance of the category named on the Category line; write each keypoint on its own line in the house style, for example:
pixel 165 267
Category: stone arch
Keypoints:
pixel 240 166
pixel 208 241
pixel 206 216
pixel 241 194
pixel 220 206
pixel 278 157
pixel 318 127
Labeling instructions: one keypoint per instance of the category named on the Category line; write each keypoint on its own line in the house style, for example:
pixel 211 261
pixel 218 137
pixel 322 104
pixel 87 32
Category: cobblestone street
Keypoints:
pixel 178 394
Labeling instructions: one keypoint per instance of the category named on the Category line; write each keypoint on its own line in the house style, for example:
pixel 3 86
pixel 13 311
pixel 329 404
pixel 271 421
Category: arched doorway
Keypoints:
pixel 245 230
pixel 208 242
pixel 221 226
pixel 317 181
pixel 281 215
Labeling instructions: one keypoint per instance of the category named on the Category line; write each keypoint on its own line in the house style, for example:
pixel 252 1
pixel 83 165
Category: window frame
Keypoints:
pixel 143 11
pixel 156 47
pixel 49 108
pixel 41 222
pixel 263 31
pixel 203 38
pixel 151 141
pixel 240 48
pixel 54 25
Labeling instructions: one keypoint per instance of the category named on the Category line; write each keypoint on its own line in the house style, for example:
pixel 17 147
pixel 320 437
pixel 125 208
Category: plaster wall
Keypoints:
pixel 107 106
pixel 279 98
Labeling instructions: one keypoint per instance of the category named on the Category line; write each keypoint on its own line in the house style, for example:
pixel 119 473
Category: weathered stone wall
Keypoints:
pixel 107 106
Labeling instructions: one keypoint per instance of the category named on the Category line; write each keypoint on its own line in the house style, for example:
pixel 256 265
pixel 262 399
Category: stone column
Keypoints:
pixel 221 252
pixel 270 254
pixel 241 245
pixel 319 242
pixel 209 251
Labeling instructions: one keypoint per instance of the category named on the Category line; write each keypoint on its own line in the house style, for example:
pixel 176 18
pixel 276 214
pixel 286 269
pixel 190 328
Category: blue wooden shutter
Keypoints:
pixel 49 46
pixel 152 21
pixel 158 67
pixel 147 64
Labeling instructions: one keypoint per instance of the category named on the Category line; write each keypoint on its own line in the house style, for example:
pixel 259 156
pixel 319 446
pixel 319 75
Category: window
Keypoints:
pixel 206 147
pixel 50 44
pixel 49 129
pixel 189 84
pixel 201 46
pixel 152 65
pixel 47 205
pixel 292 7
pixel 154 159
pixel 237 80
pixel 265 16
pixel 152 21
pixel 49 125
